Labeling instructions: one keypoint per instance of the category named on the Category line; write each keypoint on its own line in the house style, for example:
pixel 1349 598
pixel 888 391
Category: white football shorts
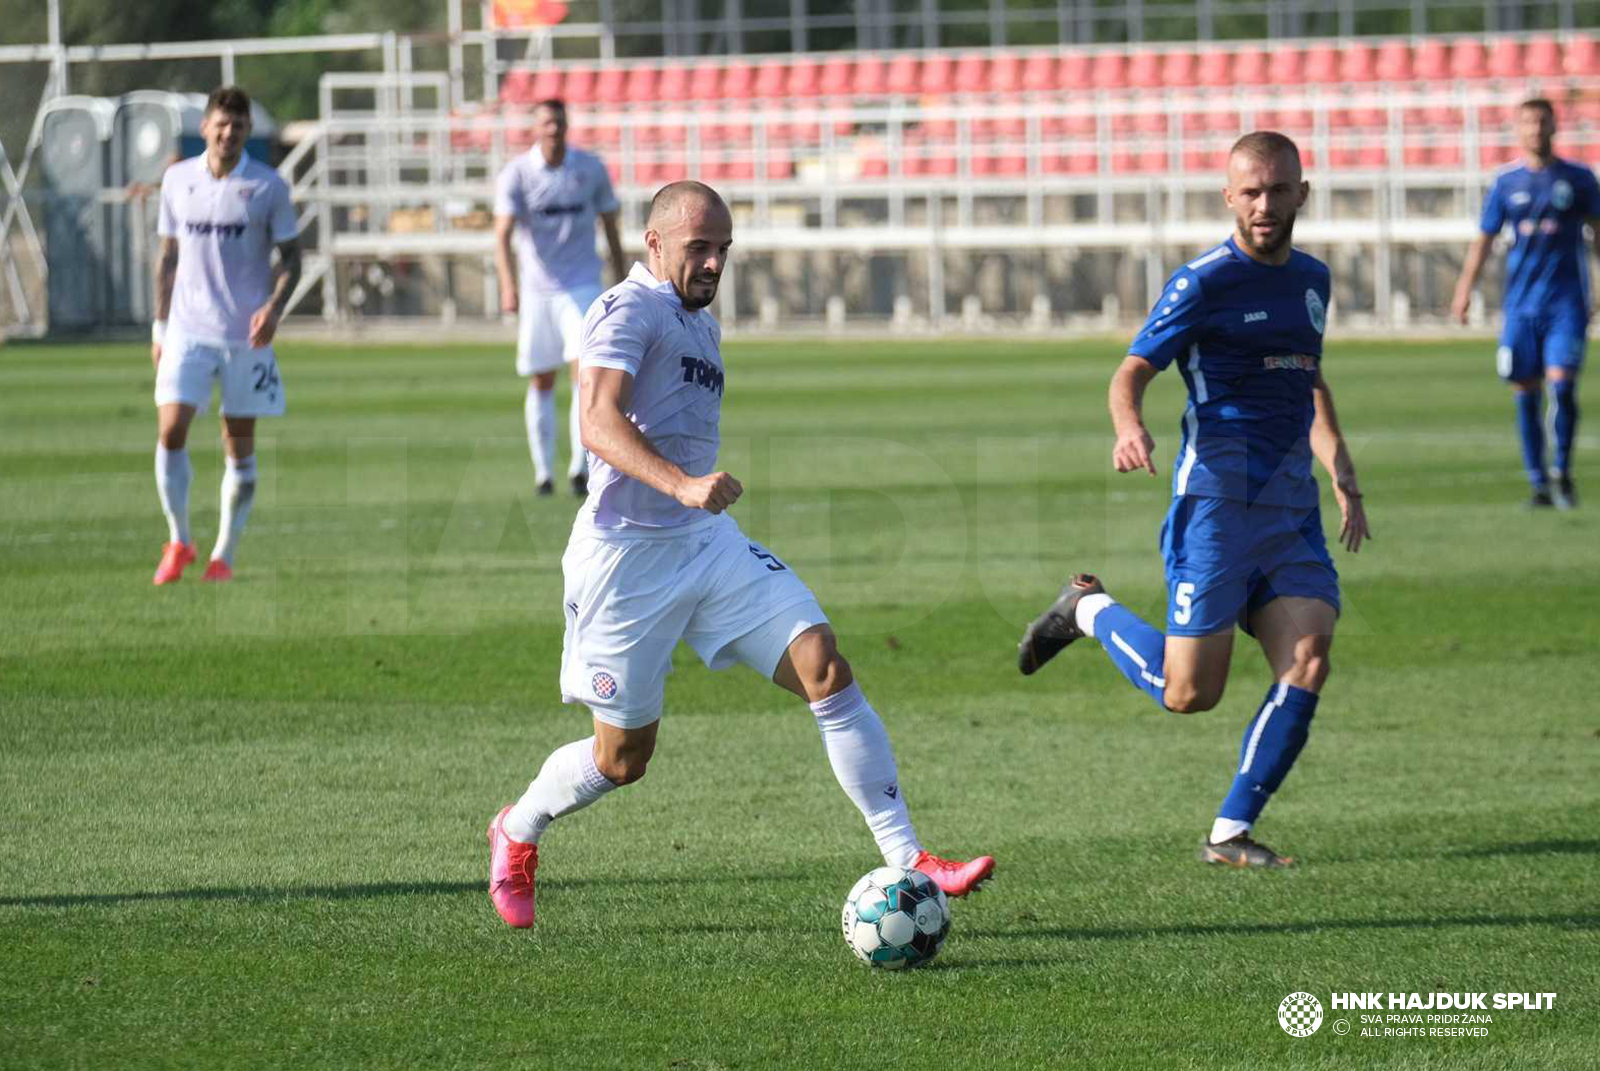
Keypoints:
pixel 251 386
pixel 630 597
pixel 550 328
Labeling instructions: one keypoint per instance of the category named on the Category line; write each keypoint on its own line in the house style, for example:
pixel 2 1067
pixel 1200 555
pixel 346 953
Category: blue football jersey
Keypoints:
pixel 1546 209
pixel 1247 337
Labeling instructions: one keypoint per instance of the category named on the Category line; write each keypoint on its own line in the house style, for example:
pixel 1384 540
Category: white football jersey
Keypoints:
pixel 226 229
pixel 674 355
pixel 555 210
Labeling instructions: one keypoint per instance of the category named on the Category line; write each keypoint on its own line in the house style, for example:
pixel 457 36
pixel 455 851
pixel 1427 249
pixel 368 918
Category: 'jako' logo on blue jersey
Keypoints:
pixel 1315 310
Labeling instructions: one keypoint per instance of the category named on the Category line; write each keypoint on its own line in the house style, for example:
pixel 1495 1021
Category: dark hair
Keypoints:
pixel 1539 104
pixel 555 104
pixel 228 99
pixel 1265 145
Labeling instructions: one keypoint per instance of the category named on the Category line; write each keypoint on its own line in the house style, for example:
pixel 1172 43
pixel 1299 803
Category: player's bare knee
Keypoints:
pixel 623 766
pixel 1310 670
pixel 822 671
pixel 1190 697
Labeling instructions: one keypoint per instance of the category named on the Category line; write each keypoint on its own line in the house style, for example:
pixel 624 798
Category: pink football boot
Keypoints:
pixel 511 867
pixel 174 556
pixel 217 571
pixel 956 878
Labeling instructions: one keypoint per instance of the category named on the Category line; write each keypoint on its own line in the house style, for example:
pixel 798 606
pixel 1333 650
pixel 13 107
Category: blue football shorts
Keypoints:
pixel 1226 559
pixel 1556 337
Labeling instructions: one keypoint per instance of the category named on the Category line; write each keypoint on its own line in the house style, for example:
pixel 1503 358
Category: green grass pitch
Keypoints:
pixel 243 825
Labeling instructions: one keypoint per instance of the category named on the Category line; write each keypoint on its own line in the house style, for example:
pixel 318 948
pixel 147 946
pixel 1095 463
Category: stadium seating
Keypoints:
pixel 1432 103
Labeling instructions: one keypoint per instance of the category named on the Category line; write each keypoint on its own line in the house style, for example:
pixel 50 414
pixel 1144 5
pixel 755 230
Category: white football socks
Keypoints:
pixel 863 761
pixel 569 781
pixel 173 476
pixel 238 493
pixel 539 410
pixel 1227 828
pixel 1088 609
pixel 580 457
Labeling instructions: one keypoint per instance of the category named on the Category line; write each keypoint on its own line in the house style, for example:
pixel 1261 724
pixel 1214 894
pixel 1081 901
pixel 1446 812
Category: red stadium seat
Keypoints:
pixel 1005 73
pixel 520 134
pixel 600 136
pixel 1357 63
pixel 517 87
pixel 1393 63
pixel 1178 69
pixel 611 86
pixel 675 86
pixel 1321 66
pixel 1010 165
pixel 1582 56
pixel 1505 59
pixel 1039 73
pixel 937 75
pixel 1415 155
pixel 805 79
pixel 1143 162
pixel 971 75
pixel 1074 72
pixel 1446 155
pixel 1283 68
pixel 1467 59
pixel 1224 122
pixel 1431 61
pixel 874 166
pixel 722 167
pixel 738 81
pixel 870 77
pixel 644 85
pixel 836 77
pixel 1248 68
pixel 1497 155
pixel 1217 69
pixel 705 83
pixel 1144 70
pixel 1074 124
pixel 1203 160
pixel 1543 57
pixel 578 86
pixel 614 169
pixel 901 78
pixel 779 169
pixel 1074 163
pixel 1109 70
pixel 546 85
pixel 772 80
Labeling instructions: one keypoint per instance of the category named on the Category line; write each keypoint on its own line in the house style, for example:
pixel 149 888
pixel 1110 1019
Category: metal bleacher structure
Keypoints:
pixel 961 188
pixel 927 188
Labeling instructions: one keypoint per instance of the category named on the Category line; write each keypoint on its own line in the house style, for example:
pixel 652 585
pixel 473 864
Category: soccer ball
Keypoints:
pixel 895 918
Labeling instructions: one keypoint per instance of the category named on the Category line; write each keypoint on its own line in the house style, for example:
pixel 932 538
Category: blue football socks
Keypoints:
pixel 1531 429
pixel 1565 392
pixel 1271 743
pixel 1135 647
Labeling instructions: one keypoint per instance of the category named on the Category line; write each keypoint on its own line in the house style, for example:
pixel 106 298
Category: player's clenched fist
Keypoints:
pixel 713 493
pixel 1134 450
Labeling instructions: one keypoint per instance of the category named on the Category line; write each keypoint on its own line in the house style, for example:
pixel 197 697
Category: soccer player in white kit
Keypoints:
pixel 545 205
pixel 217 304
pixel 654 558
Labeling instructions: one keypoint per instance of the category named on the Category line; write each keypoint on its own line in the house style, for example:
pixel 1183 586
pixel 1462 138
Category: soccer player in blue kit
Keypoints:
pixel 1545 200
pixel 1243 539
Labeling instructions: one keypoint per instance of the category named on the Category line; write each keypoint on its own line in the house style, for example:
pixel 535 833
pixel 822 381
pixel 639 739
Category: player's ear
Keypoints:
pixel 1305 191
pixel 652 241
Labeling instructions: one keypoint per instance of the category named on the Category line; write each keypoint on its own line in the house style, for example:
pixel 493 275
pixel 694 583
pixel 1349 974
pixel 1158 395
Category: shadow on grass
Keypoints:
pixel 1580 921
pixel 272 894
pixel 1532 847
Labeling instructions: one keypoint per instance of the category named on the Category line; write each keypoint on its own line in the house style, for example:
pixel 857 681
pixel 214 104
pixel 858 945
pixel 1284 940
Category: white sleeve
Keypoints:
pixel 617 331
pixel 285 225
pixel 506 200
pixel 167 221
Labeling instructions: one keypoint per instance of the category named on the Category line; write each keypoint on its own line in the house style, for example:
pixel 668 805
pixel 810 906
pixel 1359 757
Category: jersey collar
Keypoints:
pixel 641 275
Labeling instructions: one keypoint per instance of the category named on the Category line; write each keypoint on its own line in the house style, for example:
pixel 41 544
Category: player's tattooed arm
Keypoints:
pixel 1135 448
pixel 1477 253
pixel 619 262
pixel 166 275
pixel 1327 442
pixel 610 435
pixel 264 324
